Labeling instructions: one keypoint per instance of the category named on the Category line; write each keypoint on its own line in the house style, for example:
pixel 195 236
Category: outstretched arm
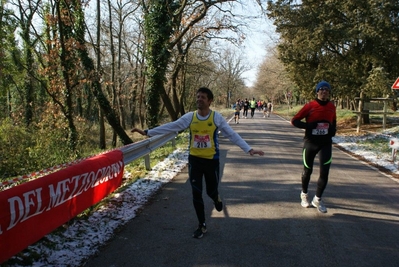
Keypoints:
pixel 253 152
pixel 175 126
pixel 138 131
pixel 234 137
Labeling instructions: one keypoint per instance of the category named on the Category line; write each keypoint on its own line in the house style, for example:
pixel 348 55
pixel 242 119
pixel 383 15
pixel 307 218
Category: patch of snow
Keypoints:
pixel 354 145
pixel 82 238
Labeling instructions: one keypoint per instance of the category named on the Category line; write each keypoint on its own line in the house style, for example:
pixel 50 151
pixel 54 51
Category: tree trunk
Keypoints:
pixel 26 23
pixel 88 65
pixel 101 140
pixel 66 59
pixel 158 30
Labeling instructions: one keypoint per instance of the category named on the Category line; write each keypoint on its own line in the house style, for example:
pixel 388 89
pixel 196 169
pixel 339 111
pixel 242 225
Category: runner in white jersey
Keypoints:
pixel 203 160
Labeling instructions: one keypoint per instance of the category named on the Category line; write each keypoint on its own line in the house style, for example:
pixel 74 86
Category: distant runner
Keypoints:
pixel 252 105
pixel 269 108
pixel 237 112
pixel 245 111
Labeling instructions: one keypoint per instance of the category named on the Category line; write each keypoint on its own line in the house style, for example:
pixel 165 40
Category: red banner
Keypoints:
pixel 33 209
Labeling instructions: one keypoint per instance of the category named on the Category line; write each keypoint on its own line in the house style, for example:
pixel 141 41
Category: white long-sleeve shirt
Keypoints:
pixel 184 122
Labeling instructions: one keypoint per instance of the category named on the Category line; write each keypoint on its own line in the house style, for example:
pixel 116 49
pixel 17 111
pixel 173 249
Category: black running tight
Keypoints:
pixel 200 168
pixel 252 112
pixel 309 152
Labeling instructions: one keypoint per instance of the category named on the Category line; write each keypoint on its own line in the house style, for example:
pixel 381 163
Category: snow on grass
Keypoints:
pixel 82 238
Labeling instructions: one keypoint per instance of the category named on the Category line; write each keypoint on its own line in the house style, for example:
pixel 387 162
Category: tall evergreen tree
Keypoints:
pixel 341 41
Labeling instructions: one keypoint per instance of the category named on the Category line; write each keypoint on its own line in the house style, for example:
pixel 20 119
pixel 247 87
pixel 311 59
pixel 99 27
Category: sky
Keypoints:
pixel 82 238
pixel 255 52
pixel 260 36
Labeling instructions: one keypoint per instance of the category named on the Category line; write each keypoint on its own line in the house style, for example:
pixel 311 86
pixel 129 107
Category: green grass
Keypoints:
pixel 137 167
pixel 345 114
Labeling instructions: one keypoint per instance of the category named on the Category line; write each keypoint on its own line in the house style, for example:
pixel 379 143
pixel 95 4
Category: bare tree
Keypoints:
pixel 166 24
pixel 272 79
pixel 231 68
pixel 27 11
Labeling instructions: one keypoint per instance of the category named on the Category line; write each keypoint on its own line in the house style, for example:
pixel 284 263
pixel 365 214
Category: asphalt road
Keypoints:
pixel 263 223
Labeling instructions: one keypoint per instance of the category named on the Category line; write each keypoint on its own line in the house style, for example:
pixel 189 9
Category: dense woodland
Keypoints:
pixel 353 44
pixel 75 76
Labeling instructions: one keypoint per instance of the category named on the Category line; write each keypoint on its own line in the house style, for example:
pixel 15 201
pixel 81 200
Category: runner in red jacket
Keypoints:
pixel 320 126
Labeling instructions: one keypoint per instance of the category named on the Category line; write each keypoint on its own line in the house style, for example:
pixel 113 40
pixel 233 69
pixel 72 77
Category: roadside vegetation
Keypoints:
pixel 28 151
pixel 25 152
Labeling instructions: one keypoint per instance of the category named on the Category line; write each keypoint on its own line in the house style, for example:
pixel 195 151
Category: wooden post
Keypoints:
pixel 384 118
pixel 147 162
pixel 360 110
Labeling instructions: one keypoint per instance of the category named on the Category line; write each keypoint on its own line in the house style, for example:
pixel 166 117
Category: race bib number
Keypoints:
pixel 321 129
pixel 202 141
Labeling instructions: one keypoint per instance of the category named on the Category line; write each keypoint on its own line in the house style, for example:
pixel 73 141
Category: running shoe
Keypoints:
pixel 318 203
pixel 201 230
pixel 304 200
pixel 218 204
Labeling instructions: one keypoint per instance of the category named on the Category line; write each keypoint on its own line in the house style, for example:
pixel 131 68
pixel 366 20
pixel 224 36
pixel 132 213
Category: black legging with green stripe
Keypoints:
pixel 309 152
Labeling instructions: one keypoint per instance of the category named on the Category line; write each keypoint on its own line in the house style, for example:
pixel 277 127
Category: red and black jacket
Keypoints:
pixel 317 114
